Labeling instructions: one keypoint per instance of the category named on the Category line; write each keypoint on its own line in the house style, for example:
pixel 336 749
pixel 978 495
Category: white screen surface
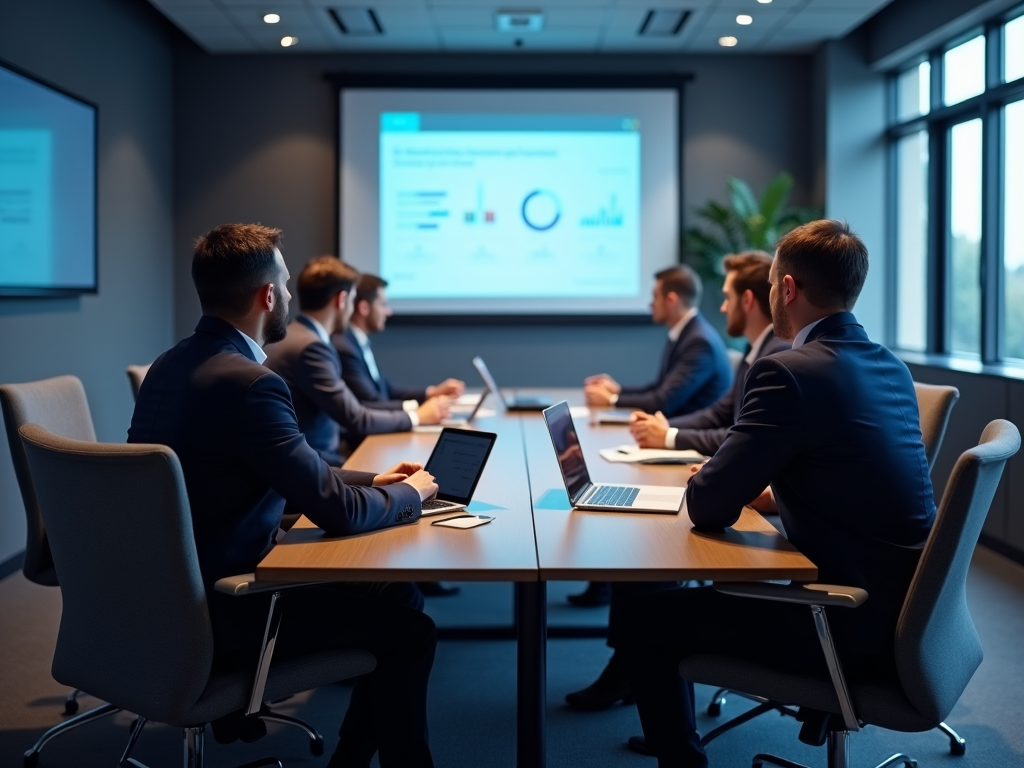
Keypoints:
pixel 511 201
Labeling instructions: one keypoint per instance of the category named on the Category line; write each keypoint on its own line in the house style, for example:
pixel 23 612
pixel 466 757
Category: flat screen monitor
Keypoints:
pixel 47 189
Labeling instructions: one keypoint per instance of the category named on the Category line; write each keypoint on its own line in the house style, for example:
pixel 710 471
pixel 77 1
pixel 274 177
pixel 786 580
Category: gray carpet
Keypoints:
pixel 472 695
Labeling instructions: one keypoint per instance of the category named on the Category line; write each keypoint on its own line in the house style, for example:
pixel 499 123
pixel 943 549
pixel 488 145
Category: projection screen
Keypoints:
pixel 510 201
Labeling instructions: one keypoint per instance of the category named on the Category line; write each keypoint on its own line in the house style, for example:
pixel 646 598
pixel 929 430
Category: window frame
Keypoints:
pixel 937 123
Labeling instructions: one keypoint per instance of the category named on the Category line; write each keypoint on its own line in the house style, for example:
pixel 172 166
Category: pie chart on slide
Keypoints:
pixel 541 210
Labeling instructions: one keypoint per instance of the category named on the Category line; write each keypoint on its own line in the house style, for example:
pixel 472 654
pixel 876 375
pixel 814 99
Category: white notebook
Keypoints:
pixel 631 454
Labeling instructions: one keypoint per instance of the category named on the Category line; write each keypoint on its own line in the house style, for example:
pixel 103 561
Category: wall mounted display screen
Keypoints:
pixel 511 201
pixel 47 189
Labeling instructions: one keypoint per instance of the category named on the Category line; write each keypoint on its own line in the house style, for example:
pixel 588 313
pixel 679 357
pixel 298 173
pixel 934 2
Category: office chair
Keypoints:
pixel 937 649
pixel 60 405
pixel 135 628
pixel 934 403
pixel 136 375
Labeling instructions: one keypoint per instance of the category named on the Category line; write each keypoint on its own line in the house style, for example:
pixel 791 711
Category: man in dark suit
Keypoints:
pixel 359 366
pixel 309 364
pixel 831 428
pixel 695 369
pixel 748 314
pixel 231 423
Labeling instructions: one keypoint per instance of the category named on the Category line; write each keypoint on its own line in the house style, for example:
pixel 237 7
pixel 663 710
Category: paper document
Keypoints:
pixel 631 454
pixel 579 412
pixel 467 399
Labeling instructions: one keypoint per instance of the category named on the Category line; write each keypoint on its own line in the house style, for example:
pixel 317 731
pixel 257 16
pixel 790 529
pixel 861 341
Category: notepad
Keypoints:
pixel 463 522
pixel 631 454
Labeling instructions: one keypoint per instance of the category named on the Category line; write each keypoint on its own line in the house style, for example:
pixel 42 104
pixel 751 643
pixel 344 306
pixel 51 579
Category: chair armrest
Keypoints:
pixel 246 584
pixel 805 594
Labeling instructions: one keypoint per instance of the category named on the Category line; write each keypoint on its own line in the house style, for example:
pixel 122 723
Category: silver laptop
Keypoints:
pixel 610 497
pixel 457 462
pixel 456 420
pixel 521 403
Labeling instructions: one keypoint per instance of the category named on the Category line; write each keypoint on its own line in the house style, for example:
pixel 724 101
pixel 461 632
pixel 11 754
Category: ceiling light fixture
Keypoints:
pixel 764 2
pixel 271 18
pixel 728 41
pixel 288 41
pixel 744 19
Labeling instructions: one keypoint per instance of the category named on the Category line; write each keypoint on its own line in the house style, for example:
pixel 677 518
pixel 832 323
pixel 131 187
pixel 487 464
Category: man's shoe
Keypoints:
pixel 597 593
pixel 436 589
pixel 610 688
pixel 638 744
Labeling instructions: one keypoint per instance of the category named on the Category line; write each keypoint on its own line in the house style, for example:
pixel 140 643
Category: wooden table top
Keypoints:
pixel 535 534
pixel 502 550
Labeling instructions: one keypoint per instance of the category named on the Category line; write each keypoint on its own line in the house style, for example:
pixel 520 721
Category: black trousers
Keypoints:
pixel 624 594
pixel 663 628
pixel 388 709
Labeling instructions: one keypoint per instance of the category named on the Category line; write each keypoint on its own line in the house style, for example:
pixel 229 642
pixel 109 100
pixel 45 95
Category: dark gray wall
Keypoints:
pixel 255 141
pixel 118 55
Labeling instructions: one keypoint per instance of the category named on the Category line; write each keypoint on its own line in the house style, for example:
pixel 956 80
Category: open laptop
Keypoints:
pixel 456 420
pixel 456 463
pixel 611 497
pixel 527 403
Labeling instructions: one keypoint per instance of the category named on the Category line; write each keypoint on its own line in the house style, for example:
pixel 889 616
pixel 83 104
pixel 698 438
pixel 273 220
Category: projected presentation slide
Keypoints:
pixel 509 206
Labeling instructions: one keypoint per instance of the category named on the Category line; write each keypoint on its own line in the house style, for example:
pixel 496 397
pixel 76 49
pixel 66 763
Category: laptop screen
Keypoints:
pixel 567 449
pixel 485 374
pixel 458 461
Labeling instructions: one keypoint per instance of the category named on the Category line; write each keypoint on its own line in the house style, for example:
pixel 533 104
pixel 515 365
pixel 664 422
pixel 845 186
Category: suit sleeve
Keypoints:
pixel 401 394
pixel 717 415
pixel 270 442
pixel 706 441
pixel 767 436
pixel 691 370
pixel 318 378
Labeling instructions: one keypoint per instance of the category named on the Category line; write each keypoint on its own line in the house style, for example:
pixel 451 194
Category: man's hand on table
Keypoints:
pixel 648 431
pixel 449 387
pixel 401 471
pixel 434 410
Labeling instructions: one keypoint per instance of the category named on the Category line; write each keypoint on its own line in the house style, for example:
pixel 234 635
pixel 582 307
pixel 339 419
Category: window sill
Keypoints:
pixel 962 364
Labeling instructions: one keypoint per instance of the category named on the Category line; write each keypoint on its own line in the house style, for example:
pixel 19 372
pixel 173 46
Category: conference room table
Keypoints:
pixel 535 537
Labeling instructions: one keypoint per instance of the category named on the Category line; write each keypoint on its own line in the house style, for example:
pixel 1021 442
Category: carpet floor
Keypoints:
pixel 472 704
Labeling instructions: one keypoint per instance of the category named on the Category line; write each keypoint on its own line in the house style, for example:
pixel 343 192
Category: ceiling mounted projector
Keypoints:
pixel 520 21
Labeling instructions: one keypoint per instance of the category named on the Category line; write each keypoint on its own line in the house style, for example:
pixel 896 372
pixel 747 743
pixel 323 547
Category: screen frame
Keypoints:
pixel 492 437
pixel 504 81
pixel 66 291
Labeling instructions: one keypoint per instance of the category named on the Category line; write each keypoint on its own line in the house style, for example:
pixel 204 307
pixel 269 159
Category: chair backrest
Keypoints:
pixel 136 375
pixel 934 402
pixel 135 630
pixel 59 405
pixel 937 646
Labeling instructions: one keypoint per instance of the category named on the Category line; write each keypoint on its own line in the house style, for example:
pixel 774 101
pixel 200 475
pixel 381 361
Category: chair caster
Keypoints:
pixel 957 745
pixel 714 709
pixel 716 703
pixel 70 706
pixel 31 759
pixel 316 746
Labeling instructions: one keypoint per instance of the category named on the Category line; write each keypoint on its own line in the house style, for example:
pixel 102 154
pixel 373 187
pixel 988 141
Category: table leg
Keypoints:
pixel 531 699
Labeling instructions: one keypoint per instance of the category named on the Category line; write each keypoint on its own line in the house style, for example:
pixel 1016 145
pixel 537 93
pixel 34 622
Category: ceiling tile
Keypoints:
pixel 828 23
pixel 221 40
pixel 251 16
pixel 197 17
pixel 272 5
pixel 547 40
pixel 404 19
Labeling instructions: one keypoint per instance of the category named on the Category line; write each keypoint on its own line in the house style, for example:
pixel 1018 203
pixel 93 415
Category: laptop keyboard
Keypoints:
pixel 614 496
pixel 436 504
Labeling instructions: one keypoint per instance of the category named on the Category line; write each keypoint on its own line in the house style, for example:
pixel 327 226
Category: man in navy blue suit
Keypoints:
pixel 828 435
pixel 310 365
pixel 748 314
pixel 231 423
pixel 359 367
pixel 694 370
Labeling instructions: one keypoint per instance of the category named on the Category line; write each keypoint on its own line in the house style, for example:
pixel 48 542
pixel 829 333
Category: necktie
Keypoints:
pixel 371 363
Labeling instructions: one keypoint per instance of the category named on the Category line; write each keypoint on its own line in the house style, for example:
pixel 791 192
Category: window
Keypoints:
pixel 1013 231
pixel 957 176
pixel 912 241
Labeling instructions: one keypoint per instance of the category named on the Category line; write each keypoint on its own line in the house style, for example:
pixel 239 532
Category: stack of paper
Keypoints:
pixel 631 454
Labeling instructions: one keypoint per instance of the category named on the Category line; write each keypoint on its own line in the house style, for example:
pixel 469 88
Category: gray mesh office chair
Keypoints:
pixel 136 375
pixel 135 629
pixel 936 645
pixel 60 405
pixel 934 403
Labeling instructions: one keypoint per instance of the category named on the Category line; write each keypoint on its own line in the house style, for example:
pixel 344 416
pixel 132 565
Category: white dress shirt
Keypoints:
pixel 801 338
pixel 257 350
pixel 325 337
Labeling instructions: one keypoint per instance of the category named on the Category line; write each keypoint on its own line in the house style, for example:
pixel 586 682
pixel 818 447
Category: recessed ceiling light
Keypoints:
pixel 728 41
pixel 271 18
pixel 744 19
pixel 764 2
pixel 288 41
